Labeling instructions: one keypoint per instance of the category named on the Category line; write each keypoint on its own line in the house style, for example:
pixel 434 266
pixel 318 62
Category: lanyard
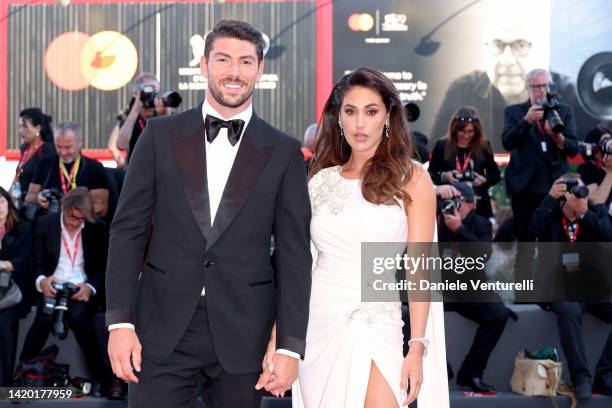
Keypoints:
pixel 571 229
pixel 69 180
pixel 466 162
pixel 27 155
pixel 72 256
pixel 142 123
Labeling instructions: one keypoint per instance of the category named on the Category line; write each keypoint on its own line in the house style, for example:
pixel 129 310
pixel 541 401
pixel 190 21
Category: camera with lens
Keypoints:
pixel 147 97
pixel 59 305
pixel 448 205
pixel 551 109
pixel 575 188
pixel 5 281
pixel 54 196
pixel 589 149
pixel 467 175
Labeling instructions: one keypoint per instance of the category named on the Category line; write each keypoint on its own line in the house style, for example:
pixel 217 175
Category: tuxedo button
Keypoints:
pixel 208 262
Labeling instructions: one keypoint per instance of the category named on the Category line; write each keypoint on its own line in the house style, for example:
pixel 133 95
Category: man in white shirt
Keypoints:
pixel 192 294
pixel 70 247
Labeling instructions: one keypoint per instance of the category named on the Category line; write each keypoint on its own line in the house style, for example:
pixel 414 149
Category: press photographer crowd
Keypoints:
pixel 56 215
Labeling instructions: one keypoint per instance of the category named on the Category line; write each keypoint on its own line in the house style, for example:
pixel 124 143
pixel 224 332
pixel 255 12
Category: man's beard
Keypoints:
pixel 219 97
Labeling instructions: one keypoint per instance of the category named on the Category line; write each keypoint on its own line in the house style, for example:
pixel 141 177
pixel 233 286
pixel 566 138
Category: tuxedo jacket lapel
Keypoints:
pixel 251 158
pixel 190 158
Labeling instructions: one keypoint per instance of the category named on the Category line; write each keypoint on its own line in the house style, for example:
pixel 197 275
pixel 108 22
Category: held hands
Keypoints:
pixel 412 372
pixel 124 351
pixel 279 371
pixel 83 294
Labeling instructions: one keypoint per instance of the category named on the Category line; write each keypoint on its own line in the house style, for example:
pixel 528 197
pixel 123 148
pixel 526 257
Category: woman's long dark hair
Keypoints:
pixel 465 116
pixel 391 167
pixel 38 118
pixel 12 218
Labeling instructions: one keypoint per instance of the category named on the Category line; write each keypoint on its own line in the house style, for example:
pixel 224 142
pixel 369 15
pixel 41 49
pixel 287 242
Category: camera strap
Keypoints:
pixel 69 180
pixel 72 255
pixel 466 162
pixel 571 229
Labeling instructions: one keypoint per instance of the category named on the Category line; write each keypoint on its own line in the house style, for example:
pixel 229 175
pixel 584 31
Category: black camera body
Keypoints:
pixel 448 205
pixel 54 196
pixel 466 176
pixel 576 189
pixel 59 305
pixel 551 108
pixel 147 97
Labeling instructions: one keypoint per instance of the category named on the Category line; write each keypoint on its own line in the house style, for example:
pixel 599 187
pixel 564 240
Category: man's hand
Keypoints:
pixel 284 371
pixel 557 137
pixel 160 108
pixel 534 114
pixel 579 205
pixel 479 179
pixel 124 350
pixel 558 189
pixel 607 161
pixel 447 191
pixel 83 294
pixel 452 221
pixel 137 106
pixel 47 289
pixel 41 201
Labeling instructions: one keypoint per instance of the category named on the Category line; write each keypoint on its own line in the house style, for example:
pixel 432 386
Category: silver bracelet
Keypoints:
pixel 423 340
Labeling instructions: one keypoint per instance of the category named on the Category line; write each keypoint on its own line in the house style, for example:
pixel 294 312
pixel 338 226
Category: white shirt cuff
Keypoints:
pixel 92 288
pixel 37 283
pixel 288 353
pixel 121 326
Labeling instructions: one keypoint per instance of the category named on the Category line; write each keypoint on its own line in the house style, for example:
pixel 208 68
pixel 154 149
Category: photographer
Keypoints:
pixel 596 172
pixel 466 155
pixel 15 251
pixel 572 271
pixel 145 88
pixel 56 176
pixel 539 151
pixel 69 249
pixel 463 225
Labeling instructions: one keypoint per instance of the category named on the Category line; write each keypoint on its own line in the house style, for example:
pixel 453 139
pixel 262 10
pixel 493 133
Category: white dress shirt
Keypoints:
pixel 65 272
pixel 220 156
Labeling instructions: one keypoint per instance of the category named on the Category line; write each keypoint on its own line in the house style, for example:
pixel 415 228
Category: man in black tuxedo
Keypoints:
pixel 190 285
pixel 538 156
pixel 66 248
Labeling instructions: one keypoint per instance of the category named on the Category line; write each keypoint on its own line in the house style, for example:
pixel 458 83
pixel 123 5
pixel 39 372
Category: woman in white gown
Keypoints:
pixel 365 188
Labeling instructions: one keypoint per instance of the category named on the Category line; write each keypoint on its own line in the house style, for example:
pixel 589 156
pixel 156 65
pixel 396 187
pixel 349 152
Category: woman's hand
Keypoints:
pixel 479 179
pixel 412 372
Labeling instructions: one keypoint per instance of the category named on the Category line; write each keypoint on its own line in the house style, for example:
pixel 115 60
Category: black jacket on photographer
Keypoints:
pixel 90 175
pixel 531 169
pixel 485 166
pixel 591 282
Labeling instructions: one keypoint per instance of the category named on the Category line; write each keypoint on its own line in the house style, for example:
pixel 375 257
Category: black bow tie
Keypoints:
pixel 214 125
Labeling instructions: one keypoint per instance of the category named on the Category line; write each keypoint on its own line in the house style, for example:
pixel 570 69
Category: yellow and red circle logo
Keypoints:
pixel 360 22
pixel 107 60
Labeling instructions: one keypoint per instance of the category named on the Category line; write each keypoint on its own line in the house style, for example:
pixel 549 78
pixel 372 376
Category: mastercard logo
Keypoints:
pixel 106 60
pixel 360 22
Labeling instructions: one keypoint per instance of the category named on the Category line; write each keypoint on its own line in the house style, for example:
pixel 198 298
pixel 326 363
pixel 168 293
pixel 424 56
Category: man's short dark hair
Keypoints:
pixel 235 29
pixel 80 198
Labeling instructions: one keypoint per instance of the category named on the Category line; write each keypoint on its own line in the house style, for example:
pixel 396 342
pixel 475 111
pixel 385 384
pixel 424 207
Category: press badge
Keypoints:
pixel 544 148
pixel 571 262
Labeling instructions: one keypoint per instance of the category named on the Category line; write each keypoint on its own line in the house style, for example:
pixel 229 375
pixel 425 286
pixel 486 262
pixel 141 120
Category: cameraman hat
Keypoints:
pixel 466 190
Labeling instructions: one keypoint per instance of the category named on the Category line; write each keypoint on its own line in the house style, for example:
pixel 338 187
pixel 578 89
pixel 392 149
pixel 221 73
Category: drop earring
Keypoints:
pixel 387 131
pixel 341 129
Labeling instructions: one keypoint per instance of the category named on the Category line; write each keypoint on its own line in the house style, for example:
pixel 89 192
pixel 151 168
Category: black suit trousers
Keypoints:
pixel 193 369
